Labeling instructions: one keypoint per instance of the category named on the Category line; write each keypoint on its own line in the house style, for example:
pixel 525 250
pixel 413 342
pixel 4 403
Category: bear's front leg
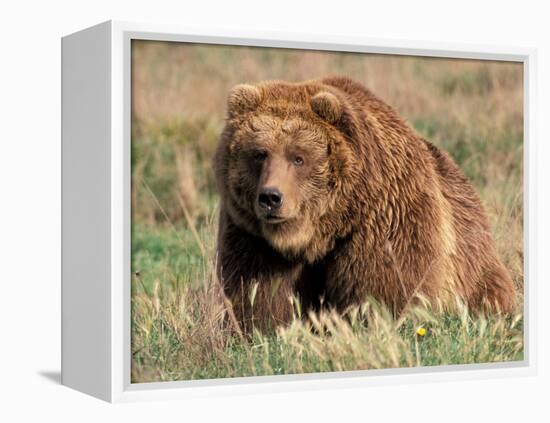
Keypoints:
pixel 357 270
pixel 259 282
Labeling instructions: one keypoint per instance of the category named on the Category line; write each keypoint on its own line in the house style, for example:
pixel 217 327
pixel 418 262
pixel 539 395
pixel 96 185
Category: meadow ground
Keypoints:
pixel 472 109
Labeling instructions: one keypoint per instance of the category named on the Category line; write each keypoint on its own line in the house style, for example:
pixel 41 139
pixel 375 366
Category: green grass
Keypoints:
pixel 181 325
pixel 180 330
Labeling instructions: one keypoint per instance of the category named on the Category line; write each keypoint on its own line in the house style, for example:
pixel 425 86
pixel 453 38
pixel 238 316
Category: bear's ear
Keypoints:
pixel 243 98
pixel 327 106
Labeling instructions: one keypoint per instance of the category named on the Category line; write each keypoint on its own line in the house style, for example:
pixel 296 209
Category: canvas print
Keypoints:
pixel 298 211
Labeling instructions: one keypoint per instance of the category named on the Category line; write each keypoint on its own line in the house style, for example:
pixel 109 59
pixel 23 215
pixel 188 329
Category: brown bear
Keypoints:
pixel 328 197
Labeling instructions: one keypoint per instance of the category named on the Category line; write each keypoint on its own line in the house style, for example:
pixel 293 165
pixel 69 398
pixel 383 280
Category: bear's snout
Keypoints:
pixel 270 199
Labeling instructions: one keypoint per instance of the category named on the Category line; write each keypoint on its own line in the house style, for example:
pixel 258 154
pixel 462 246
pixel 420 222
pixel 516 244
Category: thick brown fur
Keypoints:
pixel 369 208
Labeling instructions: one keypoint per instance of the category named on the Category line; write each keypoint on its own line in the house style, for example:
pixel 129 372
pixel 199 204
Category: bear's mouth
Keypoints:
pixel 273 219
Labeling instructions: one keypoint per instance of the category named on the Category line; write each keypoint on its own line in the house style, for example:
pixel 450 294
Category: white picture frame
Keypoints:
pixel 96 354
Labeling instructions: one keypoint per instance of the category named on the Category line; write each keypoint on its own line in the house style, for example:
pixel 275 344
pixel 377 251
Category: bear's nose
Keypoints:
pixel 270 198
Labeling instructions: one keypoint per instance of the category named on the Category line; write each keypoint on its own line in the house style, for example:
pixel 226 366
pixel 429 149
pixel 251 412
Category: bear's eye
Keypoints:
pixel 260 156
pixel 298 161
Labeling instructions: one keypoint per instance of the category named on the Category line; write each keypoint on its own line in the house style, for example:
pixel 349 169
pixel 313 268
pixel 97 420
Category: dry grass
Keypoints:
pixel 471 109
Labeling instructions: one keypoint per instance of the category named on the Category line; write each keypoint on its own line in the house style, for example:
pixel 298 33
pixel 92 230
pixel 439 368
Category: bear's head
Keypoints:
pixel 282 160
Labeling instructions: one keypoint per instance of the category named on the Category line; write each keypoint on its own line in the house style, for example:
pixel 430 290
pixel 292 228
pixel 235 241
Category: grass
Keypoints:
pixel 180 331
pixel 180 327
